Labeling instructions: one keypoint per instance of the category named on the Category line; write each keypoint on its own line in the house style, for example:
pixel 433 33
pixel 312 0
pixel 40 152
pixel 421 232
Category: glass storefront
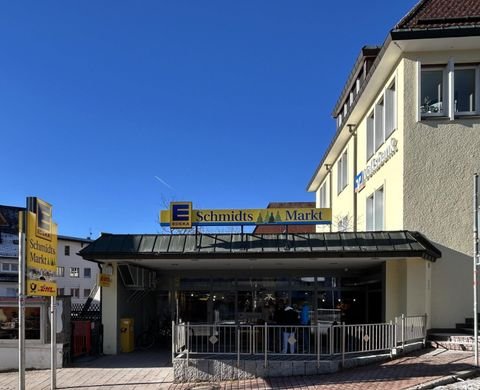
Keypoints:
pixel 9 322
pixel 258 300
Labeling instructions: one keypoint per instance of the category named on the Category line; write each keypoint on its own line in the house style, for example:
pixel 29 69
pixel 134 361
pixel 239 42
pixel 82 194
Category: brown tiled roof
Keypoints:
pixel 428 14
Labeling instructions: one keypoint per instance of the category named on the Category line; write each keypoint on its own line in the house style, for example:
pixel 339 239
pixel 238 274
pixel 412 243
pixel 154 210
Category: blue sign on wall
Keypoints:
pixel 359 182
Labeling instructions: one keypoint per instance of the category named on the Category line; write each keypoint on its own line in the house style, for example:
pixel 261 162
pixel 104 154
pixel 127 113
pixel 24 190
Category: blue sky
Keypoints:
pixel 109 109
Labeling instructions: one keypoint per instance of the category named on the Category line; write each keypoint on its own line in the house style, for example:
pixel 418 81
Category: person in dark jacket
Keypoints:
pixel 290 317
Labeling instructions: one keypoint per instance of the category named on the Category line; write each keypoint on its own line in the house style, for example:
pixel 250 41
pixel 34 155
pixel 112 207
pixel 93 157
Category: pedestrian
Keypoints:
pixel 290 317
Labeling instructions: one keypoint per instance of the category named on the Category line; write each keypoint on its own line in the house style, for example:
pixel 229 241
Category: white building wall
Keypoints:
pixel 82 282
pixel 441 157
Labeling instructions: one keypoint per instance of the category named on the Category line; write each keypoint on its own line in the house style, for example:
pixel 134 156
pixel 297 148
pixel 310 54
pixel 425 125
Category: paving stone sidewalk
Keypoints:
pixel 153 371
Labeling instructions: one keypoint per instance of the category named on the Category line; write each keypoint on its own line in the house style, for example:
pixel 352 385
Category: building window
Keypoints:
pixel 11 292
pixel 87 273
pixel 465 90
pixel 74 272
pixel 379 129
pixel 390 111
pixel 342 172
pixel 67 250
pixel 432 95
pixel 9 267
pixel 86 292
pixel 323 196
pixel 382 121
pixel 61 271
pixel 75 292
pixel 60 291
pixel 375 210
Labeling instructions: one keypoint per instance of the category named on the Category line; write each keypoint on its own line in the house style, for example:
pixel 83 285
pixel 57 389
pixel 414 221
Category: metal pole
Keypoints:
pixel 21 301
pixel 173 341
pixel 53 344
pixel 475 258
pixel 238 348
pixel 265 337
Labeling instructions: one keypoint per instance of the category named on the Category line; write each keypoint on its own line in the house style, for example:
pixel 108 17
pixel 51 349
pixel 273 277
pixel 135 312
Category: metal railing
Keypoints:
pixel 318 341
pixel 410 328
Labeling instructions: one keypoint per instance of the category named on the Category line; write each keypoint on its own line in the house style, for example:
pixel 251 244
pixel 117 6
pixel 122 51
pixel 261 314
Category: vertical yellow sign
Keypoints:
pixel 41 252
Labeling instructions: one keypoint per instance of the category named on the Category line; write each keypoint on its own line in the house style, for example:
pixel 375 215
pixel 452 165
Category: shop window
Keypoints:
pixel 9 322
pixel 67 250
pixel 375 210
pixel 74 272
pixel 61 271
pixel 342 172
pixel 87 273
pixel 433 92
pixel 464 91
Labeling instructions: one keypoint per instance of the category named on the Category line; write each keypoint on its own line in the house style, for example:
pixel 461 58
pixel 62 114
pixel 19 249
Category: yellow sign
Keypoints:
pixel 41 251
pixel 40 287
pixel 104 280
pixel 183 213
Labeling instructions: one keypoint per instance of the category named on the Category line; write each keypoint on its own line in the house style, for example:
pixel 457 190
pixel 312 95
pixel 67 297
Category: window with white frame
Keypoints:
pixel 381 122
pixel 74 272
pixel 433 91
pixel 342 172
pixel 379 128
pixel 375 210
pixel 9 267
pixel 390 110
pixel 323 196
pixel 61 271
pixel 434 94
pixel 465 90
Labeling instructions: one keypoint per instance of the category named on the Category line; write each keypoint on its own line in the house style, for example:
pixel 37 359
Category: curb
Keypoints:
pixel 447 380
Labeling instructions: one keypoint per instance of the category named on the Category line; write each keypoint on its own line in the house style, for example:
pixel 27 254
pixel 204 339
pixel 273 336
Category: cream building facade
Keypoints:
pixel 406 148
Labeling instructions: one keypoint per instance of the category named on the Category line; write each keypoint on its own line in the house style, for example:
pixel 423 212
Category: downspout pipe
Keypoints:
pixel 352 129
pixel 330 191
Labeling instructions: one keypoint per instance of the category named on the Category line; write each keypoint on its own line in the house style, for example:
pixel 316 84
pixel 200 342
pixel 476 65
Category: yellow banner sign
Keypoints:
pixel 41 287
pixel 181 215
pixel 41 254
pixel 104 280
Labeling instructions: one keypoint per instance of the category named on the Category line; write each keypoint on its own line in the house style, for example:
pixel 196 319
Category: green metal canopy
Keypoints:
pixel 321 245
